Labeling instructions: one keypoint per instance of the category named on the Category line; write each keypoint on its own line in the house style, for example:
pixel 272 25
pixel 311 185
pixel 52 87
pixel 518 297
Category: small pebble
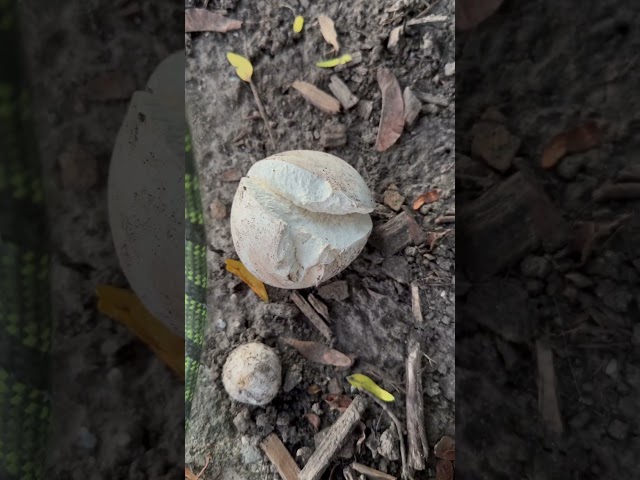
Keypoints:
pixel 612 367
pixel 450 69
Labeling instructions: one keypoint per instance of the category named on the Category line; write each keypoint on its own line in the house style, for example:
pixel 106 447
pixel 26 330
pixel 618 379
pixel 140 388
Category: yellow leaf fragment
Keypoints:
pixel 362 382
pixel 298 23
pixel 328 31
pixel 238 269
pixel 125 307
pixel 334 62
pixel 244 69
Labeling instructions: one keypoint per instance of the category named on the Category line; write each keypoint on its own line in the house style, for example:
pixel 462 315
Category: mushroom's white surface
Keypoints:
pixel 146 193
pixel 252 374
pixel 300 217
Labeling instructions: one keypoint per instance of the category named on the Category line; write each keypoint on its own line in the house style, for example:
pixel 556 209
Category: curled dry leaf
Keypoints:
pixel 319 353
pixel 470 13
pixel 579 139
pixel 338 402
pixel 238 269
pixel 314 420
pixel 328 31
pixel 445 448
pixel 317 97
pixel 444 470
pixel 202 20
pixel 392 116
pixel 428 197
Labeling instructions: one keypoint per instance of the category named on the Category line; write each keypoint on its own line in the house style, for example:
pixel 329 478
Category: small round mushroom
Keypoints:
pixel 300 217
pixel 252 374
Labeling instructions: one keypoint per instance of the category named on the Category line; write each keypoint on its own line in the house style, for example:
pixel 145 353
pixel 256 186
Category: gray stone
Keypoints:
pixel 242 421
pixel 389 447
pixel 397 268
pixel 338 291
pixel 250 453
pixel 535 267
pixel 292 378
pixel 303 454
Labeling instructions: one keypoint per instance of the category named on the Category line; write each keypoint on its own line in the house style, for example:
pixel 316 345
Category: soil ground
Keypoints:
pixel 548 67
pixel 374 319
pixel 104 379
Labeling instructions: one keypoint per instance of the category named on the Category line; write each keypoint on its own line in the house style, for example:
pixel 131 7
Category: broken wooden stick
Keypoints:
pixel 547 394
pixel 312 315
pixel 418 449
pixel 334 440
pixel 371 473
pixel 275 450
pixel 263 113
pixel 319 306
pixel 415 302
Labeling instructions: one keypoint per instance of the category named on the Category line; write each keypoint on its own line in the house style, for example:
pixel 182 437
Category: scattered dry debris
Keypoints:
pixel 319 353
pixel 398 233
pixel 278 454
pixel 412 106
pixel 218 209
pixel 393 200
pixel 342 92
pixel 312 315
pixel 79 169
pixel 417 446
pixel 317 97
pixel 110 86
pixel 371 473
pixel 392 115
pixel 328 31
pixel 334 440
pixel 332 136
pixel 579 139
pixel 470 13
pixel 617 191
pixel 547 394
pixel 494 144
pixel 428 197
pixel 338 401
pixel 203 20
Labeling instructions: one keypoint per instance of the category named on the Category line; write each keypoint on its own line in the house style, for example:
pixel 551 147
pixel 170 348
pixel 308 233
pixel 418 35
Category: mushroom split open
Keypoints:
pixel 300 217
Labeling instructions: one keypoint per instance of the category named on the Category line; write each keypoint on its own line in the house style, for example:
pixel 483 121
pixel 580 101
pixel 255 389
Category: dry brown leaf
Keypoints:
pixel 328 31
pixel 239 270
pixel 202 20
pixel 319 353
pixel 428 197
pixel 189 475
pixel 579 139
pixel 432 239
pixel 338 402
pixel 317 97
pixel 444 470
pixel 314 420
pixel 392 116
pixel 314 389
pixel 445 448
pixel 470 13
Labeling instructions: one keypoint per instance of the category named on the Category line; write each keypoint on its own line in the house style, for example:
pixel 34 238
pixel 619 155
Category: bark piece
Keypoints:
pixel 342 92
pixel 412 106
pixel 312 315
pixel 392 116
pixel 547 395
pixel 333 136
pixel 317 97
pixel 338 434
pixel 418 449
pixel 503 225
pixel 371 473
pixel 278 454
pixel 398 233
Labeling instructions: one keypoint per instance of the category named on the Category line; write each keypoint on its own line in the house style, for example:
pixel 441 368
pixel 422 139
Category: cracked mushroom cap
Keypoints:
pixel 300 217
pixel 252 374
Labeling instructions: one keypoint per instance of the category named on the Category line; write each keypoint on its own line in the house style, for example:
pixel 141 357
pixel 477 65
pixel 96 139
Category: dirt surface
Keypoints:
pixel 558 266
pixel 104 379
pixel 369 303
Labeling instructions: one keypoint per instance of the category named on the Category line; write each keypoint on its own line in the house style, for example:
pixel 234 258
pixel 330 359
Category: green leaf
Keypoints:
pixel 362 382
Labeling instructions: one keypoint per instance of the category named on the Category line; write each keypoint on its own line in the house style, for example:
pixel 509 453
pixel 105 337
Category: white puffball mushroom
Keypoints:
pixel 252 374
pixel 146 193
pixel 300 217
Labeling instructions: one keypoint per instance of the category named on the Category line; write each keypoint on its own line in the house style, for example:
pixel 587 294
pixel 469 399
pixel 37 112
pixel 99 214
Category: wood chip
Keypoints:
pixel 579 139
pixel 398 233
pixel 319 353
pixel 393 200
pixel 371 473
pixel 203 20
pixel 618 191
pixel 416 308
pixel 317 97
pixel 312 315
pixel 110 86
pixel 417 446
pixel 278 454
pixel 394 39
pixel 328 31
pixel 470 13
pixel 392 116
pixel 412 106
pixel 334 440
pixel 342 92
pixel 319 306
pixel 547 394
pixel 332 136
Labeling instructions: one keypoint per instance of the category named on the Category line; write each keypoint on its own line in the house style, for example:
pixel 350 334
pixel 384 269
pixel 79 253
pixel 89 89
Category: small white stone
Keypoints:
pixel 449 69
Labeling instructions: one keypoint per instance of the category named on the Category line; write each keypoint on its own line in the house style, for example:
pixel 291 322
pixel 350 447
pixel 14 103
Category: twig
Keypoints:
pixel 334 440
pixel 371 472
pixel 415 303
pixel 263 114
pixel 418 449
pixel 312 315
pixel 280 457
pixel 406 475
